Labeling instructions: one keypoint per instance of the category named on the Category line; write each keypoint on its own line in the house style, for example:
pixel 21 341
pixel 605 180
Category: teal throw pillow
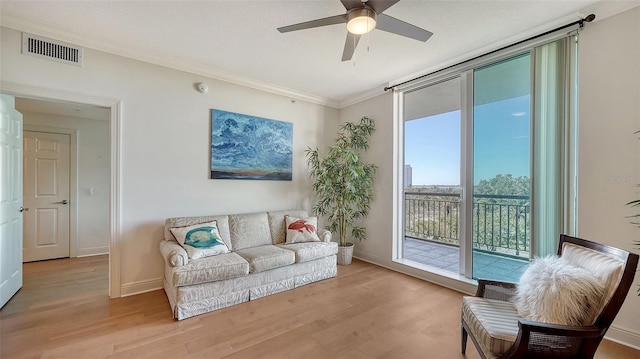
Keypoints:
pixel 200 240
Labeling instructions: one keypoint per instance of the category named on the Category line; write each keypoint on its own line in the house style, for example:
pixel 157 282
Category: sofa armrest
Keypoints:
pixel 325 235
pixel 173 253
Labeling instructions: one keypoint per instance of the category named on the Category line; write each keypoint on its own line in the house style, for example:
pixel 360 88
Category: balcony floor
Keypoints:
pixel 486 266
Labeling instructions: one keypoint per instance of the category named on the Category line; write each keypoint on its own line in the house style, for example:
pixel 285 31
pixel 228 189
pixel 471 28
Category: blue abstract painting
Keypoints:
pixel 249 147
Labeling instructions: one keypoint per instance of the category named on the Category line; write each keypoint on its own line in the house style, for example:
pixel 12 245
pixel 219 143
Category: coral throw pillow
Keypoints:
pixel 301 229
pixel 200 240
pixel 552 290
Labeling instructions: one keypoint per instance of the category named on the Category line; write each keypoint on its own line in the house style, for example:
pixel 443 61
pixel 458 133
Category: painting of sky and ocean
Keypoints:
pixel 249 147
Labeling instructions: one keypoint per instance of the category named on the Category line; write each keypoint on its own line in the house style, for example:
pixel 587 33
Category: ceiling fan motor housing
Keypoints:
pixel 361 21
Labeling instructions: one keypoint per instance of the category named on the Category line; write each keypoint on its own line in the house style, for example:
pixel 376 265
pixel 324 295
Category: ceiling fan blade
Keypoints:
pixel 351 4
pixel 399 27
pixel 350 46
pixel 331 20
pixel 381 5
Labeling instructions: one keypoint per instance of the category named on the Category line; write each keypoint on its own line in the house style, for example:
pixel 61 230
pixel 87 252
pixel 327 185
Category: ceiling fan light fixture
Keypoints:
pixel 361 21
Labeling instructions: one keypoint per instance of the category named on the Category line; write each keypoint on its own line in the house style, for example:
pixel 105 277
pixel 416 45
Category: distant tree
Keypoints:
pixel 505 185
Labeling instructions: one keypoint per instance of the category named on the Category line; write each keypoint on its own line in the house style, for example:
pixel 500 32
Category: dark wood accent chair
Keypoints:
pixel 497 336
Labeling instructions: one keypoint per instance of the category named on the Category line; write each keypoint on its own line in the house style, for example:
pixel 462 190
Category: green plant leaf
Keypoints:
pixel 343 182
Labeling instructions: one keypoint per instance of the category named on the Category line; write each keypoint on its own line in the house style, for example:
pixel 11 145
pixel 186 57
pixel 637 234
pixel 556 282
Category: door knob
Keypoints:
pixel 22 209
pixel 64 201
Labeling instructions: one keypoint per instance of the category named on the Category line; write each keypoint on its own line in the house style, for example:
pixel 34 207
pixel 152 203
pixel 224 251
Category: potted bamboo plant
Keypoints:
pixel 343 184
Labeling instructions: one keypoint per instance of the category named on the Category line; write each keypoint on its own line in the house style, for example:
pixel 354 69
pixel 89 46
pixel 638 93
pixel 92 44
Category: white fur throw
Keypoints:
pixel 552 290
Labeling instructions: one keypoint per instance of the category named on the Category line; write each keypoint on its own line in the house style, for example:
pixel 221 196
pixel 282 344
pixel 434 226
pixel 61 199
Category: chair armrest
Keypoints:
pixel 325 235
pixel 531 332
pixel 492 289
pixel 173 253
pixel 587 331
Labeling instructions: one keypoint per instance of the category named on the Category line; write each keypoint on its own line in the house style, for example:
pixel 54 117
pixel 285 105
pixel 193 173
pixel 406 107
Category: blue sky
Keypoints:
pixel 432 148
pixel 501 143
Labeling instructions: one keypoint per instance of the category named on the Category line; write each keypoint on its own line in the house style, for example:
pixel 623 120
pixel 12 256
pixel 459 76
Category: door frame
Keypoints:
pixel 73 179
pixel 115 202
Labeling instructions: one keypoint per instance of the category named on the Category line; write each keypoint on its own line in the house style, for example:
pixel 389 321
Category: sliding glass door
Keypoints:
pixel 499 136
pixel 488 164
pixel 431 188
pixel 501 215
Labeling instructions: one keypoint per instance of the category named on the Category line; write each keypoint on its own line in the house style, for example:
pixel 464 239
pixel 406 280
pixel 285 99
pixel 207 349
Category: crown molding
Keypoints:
pixel 606 9
pixel 364 96
pixel 196 69
pixel 602 10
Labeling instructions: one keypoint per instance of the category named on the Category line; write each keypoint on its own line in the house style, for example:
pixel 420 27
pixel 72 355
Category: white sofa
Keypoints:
pixel 258 264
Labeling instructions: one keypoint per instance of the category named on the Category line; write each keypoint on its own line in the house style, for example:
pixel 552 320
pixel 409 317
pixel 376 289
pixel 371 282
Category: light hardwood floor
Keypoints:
pixel 63 311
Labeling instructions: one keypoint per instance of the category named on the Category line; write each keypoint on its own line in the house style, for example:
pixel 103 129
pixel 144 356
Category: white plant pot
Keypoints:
pixel 345 254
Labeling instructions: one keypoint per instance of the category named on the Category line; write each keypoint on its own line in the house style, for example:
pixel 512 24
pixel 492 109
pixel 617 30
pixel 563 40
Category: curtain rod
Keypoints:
pixel 580 22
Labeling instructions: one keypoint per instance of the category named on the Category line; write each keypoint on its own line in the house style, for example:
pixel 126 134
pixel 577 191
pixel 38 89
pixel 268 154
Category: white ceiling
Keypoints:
pixel 238 41
pixel 62 109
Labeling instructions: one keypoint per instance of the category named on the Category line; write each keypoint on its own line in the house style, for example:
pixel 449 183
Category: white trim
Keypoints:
pixel 466 173
pixel 618 334
pixel 144 286
pixel 375 92
pixel 623 336
pixel 398 177
pixel 482 59
pixel 28 91
pixel 606 9
pixel 78 39
pixel 603 10
pixel 73 179
pixel 115 198
pixel 430 274
pixel 94 251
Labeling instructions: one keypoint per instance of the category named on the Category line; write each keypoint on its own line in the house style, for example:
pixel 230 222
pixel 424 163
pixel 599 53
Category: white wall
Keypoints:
pixel 165 139
pixel 609 155
pixel 609 151
pixel 93 172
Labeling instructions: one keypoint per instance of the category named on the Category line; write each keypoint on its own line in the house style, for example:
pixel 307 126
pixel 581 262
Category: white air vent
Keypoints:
pixel 45 48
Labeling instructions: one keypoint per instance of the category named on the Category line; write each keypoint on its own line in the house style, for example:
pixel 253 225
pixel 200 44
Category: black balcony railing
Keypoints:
pixel 500 223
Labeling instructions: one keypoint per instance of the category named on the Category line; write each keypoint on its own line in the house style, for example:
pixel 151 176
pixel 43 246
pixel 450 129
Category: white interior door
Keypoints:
pixel 46 195
pixel 10 199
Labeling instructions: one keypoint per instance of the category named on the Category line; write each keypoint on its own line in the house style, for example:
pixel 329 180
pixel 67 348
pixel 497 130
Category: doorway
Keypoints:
pixel 112 108
pixel 51 130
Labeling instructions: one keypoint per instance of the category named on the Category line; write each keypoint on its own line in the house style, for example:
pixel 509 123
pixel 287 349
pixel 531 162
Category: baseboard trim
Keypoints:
pixel 95 251
pixel 144 286
pixel 620 335
pixel 623 336
pixel 447 280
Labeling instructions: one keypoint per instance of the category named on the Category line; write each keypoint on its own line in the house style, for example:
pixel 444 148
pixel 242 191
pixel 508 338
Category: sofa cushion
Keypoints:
pixel 277 225
pixel 209 269
pixel 494 322
pixel 311 250
pixel 301 229
pixel 263 258
pixel 200 240
pixel 249 230
pixel 223 226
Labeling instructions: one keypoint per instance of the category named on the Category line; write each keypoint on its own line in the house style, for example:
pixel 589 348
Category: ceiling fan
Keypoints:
pixel 362 17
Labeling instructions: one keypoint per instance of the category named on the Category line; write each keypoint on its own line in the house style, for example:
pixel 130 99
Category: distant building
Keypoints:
pixel 408 176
